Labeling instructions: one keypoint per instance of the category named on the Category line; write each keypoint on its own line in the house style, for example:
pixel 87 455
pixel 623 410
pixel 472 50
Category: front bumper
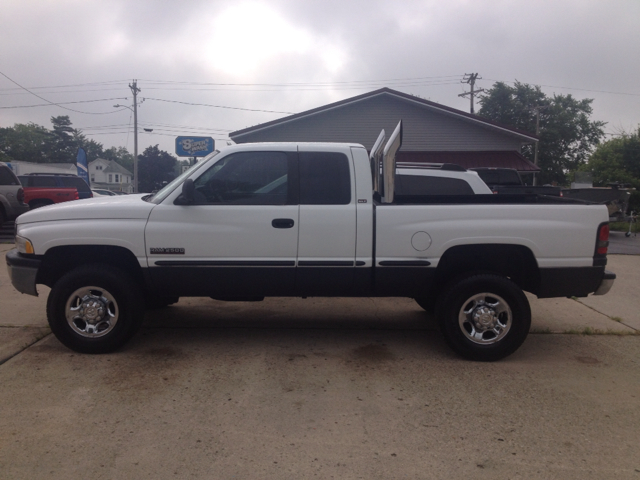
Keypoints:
pixel 23 271
pixel 606 284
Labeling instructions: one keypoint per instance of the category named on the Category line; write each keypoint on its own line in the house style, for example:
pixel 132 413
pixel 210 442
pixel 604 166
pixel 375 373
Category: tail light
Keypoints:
pixel 603 239
pixel 20 195
pixel 77 196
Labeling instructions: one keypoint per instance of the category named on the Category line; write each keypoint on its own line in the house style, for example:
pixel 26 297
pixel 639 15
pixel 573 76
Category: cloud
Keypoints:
pixel 292 55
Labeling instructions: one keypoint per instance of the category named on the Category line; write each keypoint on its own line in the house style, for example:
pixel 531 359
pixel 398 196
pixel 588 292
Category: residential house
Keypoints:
pixel 110 175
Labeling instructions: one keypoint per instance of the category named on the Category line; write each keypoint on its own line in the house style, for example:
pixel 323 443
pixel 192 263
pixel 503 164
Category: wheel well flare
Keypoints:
pixel 60 260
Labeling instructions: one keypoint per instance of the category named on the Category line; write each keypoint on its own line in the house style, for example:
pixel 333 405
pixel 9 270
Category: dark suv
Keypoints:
pixel 11 195
pixel 60 180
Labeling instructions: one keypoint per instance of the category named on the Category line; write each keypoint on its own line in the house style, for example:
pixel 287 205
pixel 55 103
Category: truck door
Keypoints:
pixel 327 236
pixel 239 239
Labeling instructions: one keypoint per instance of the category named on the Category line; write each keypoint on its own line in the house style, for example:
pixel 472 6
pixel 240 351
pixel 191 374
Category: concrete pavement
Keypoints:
pixel 322 388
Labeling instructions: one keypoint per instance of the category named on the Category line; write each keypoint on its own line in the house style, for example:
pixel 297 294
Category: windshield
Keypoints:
pixel 166 191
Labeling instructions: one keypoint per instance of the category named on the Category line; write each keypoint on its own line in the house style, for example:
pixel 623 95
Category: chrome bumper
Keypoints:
pixel 606 284
pixel 22 272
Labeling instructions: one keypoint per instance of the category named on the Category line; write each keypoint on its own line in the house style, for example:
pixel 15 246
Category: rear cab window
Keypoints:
pixel 325 178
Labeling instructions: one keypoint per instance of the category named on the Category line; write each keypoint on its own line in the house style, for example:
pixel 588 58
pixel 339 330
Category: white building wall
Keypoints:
pixel 24 168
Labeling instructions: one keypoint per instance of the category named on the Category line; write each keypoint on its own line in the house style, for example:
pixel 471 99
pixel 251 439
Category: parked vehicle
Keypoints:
pixel 97 192
pixel 37 197
pixel 301 219
pixel 11 195
pixel 616 198
pixel 508 180
pixel 57 180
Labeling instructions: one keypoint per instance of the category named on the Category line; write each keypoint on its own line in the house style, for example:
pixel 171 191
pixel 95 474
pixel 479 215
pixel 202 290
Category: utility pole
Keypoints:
pixel 471 78
pixel 536 109
pixel 135 90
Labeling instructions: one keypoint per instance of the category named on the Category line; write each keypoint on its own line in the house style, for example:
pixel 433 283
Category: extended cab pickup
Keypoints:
pixel 302 219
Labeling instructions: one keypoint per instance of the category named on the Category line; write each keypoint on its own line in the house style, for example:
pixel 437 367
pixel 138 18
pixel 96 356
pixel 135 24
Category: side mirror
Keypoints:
pixel 187 197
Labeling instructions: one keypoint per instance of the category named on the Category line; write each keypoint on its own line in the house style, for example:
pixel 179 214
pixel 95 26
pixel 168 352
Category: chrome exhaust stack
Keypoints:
pixel 389 163
pixel 376 158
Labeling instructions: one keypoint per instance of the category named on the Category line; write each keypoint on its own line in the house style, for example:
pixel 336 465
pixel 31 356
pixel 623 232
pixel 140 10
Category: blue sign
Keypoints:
pixel 81 165
pixel 194 146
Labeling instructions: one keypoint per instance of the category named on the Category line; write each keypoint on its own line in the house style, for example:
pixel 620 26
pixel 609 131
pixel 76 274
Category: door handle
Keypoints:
pixel 282 223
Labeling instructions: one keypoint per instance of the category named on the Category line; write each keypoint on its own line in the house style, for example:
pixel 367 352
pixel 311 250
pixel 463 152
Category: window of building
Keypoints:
pixel 110 178
pixel 117 178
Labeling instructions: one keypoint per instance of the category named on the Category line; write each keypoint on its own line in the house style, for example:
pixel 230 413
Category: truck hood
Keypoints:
pixel 112 207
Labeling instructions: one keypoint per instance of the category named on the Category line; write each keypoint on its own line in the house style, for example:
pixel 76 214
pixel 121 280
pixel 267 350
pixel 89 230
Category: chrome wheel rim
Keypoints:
pixel 91 312
pixel 485 318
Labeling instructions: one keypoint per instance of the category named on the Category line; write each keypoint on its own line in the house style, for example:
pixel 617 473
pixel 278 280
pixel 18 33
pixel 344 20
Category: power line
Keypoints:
pixel 570 88
pixel 48 101
pixel 344 85
pixel 217 106
pixel 351 84
pixel 162 82
pixel 67 103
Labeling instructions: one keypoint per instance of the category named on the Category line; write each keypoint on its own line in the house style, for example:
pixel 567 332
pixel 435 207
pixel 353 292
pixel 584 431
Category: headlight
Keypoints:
pixel 24 245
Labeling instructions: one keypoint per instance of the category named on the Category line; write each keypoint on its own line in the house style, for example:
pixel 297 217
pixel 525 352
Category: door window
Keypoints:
pixel 245 178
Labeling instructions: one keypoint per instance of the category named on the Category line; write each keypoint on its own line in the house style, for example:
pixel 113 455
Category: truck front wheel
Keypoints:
pixel 484 317
pixel 95 309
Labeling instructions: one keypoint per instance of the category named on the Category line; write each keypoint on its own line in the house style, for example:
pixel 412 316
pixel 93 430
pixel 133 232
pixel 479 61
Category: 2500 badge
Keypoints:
pixel 166 251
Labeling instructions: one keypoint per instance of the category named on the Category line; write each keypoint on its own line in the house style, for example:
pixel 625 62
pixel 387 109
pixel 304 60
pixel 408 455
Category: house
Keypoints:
pixel 432 133
pixel 110 175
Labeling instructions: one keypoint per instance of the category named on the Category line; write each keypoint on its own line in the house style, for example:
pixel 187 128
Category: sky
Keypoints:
pixel 207 68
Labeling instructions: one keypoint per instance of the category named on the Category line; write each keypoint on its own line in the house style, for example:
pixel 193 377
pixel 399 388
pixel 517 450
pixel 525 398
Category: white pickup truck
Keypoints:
pixel 303 219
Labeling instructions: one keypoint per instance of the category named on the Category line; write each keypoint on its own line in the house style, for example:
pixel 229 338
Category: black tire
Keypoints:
pixel 108 306
pixel 428 304
pixel 3 218
pixel 484 317
pixel 153 303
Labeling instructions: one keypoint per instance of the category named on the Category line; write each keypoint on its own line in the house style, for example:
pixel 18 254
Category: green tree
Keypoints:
pixel 66 140
pixel 617 160
pixel 567 135
pixel 27 143
pixel 156 168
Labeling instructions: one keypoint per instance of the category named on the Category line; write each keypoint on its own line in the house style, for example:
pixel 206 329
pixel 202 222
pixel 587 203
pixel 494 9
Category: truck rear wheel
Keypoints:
pixel 95 309
pixel 484 317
